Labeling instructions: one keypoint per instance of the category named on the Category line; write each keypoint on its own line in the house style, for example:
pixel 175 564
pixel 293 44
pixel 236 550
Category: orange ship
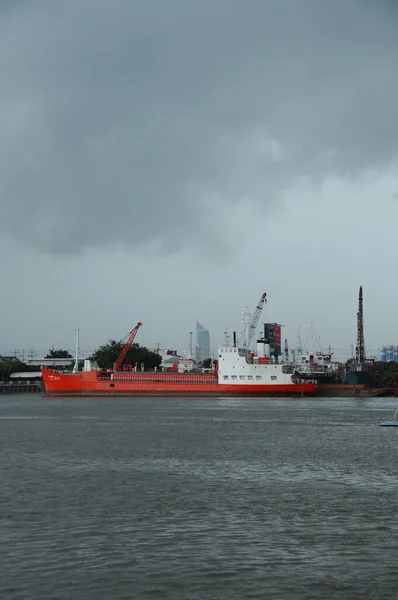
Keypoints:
pixel 105 383
pixel 239 372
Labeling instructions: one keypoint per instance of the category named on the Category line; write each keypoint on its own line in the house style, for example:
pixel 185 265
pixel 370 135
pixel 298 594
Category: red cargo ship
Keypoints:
pixel 239 373
pixel 266 381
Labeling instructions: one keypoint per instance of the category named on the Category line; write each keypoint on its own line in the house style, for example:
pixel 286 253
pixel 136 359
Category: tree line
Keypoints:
pixel 105 357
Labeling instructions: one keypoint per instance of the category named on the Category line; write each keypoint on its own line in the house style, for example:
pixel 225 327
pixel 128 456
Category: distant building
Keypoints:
pixel 50 362
pixel 10 359
pixel 166 354
pixel 202 342
pixel 27 376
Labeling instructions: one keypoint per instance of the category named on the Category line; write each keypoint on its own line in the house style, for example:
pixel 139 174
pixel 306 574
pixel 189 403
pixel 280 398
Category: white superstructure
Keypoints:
pixel 316 363
pixel 237 366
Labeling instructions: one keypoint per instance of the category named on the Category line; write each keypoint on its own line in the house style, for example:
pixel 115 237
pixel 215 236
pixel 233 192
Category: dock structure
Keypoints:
pixel 10 387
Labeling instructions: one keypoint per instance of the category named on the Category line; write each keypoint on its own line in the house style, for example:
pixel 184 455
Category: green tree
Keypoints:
pixel 58 353
pixel 7 367
pixel 106 356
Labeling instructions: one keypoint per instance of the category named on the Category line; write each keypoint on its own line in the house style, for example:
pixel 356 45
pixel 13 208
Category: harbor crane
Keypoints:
pixel 248 335
pixel 118 364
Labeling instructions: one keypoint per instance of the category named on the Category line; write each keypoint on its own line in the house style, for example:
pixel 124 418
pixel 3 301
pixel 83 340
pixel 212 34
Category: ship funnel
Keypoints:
pixel 260 349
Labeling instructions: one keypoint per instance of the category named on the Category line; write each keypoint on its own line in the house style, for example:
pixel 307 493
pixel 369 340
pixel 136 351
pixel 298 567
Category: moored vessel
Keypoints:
pixel 239 372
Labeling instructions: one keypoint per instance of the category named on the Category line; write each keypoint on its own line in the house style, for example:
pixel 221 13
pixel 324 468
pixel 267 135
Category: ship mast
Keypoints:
pixel 76 366
pixel 360 349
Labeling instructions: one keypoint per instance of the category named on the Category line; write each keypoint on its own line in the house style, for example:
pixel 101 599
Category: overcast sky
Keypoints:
pixel 169 160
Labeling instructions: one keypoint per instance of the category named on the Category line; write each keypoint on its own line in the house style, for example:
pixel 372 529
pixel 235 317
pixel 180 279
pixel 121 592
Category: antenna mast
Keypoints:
pixel 360 349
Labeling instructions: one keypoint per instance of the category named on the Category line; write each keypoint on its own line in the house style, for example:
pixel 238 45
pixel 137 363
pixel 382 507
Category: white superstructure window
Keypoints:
pixel 234 377
pixel 226 377
pixel 242 377
pixel 250 377
pixel 274 377
pixel 258 377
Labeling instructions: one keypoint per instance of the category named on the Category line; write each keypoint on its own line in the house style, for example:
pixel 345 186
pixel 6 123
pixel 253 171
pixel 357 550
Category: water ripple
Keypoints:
pixel 202 500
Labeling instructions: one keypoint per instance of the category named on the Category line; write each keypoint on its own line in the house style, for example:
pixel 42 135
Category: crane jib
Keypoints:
pixel 126 347
pixel 254 321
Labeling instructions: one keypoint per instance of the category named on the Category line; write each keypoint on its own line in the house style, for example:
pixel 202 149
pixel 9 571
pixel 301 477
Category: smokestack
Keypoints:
pixel 234 337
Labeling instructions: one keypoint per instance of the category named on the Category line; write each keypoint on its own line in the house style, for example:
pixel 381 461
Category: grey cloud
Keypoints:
pixel 123 122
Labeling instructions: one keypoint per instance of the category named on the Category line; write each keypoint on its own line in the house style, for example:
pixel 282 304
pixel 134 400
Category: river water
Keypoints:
pixel 197 499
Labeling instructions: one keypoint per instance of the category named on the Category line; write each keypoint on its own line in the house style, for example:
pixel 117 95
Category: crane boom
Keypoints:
pixel 254 321
pixel 126 347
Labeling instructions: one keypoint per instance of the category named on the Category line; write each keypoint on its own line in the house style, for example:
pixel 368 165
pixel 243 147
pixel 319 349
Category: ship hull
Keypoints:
pixel 350 390
pixel 88 384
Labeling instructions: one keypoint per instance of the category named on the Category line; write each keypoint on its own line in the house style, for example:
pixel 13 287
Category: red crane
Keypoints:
pixel 126 347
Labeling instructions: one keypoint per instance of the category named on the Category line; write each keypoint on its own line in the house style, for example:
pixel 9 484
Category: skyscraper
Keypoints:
pixel 202 342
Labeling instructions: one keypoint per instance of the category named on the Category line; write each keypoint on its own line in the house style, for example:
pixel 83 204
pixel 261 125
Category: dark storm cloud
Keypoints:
pixel 128 121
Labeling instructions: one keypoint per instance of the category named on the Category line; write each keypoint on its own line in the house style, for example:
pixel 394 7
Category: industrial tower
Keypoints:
pixel 360 349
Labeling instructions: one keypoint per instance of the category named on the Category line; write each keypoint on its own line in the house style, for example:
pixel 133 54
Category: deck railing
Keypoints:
pixel 160 378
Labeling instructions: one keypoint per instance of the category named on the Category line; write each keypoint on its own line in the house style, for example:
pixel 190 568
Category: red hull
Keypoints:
pixel 89 383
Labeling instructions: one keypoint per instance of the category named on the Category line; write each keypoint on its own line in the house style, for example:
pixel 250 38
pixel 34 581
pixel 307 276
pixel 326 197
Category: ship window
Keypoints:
pixel 258 377
pixel 112 385
pixel 250 376
pixel 234 377
pixel 287 369
pixel 242 377
pixel 225 376
pixel 273 377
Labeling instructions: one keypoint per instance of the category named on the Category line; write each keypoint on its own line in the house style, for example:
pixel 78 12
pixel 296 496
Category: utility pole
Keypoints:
pixel 190 345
